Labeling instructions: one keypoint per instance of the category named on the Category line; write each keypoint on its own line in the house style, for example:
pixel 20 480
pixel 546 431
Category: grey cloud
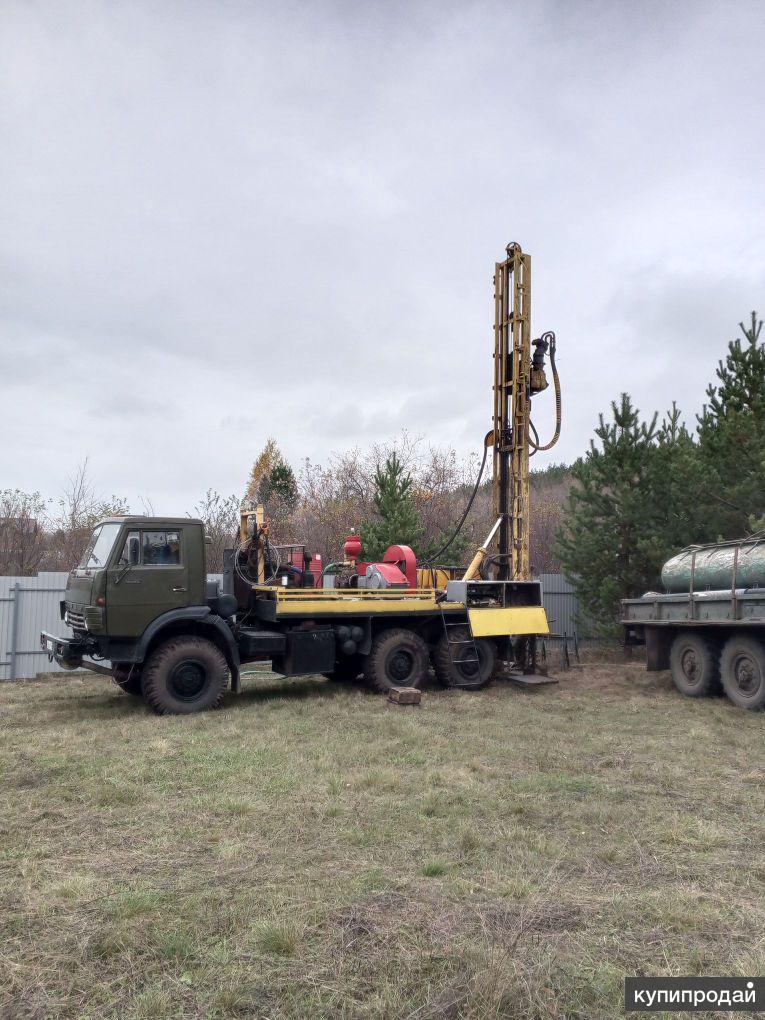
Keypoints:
pixel 256 219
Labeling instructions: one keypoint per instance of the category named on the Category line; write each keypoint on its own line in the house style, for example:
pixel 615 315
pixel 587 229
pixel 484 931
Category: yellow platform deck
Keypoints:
pixel 485 622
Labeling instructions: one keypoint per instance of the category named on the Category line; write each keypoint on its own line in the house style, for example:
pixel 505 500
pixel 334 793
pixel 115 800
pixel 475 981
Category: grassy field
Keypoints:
pixel 310 851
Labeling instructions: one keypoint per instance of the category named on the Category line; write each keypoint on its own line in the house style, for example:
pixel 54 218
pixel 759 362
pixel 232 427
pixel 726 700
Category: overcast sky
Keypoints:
pixel 226 220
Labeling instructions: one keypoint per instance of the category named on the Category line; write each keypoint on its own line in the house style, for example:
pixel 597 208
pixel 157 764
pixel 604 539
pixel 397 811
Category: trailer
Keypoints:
pixel 712 639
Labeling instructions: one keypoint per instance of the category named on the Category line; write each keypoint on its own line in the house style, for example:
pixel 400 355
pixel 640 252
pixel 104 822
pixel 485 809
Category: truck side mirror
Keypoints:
pixel 134 551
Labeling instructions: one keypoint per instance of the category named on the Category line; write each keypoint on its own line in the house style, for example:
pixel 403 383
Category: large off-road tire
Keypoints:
pixel 127 676
pixel 470 675
pixel 185 674
pixel 695 664
pixel 742 668
pixel 347 669
pixel 398 658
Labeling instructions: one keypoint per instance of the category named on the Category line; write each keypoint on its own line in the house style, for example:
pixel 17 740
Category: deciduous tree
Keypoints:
pixel 220 515
pixel 22 532
pixel 78 510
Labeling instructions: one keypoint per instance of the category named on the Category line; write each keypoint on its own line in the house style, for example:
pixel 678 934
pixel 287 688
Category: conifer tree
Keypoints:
pixel 680 502
pixel 731 431
pixel 279 486
pixel 610 514
pixel 397 522
pixel 272 482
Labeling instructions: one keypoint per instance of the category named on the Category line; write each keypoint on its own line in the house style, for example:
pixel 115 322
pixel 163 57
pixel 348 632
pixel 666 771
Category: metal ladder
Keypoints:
pixel 451 622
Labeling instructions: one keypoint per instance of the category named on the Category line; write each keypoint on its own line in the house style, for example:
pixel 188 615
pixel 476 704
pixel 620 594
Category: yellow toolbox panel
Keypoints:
pixel 513 620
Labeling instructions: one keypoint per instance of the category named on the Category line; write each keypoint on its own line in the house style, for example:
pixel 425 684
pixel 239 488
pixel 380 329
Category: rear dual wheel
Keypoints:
pixel 455 664
pixel 742 667
pixel 699 668
pixel 694 660
pixel 398 658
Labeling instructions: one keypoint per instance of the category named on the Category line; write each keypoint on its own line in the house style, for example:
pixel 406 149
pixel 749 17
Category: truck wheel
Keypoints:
pixel 742 666
pixel 695 665
pixel 347 669
pixel 470 674
pixel 185 674
pixel 398 658
pixel 127 676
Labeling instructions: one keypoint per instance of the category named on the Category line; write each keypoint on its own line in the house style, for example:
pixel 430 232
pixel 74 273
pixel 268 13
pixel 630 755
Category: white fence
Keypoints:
pixel 29 605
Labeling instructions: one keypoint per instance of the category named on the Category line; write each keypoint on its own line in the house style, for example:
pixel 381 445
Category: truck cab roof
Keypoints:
pixel 141 520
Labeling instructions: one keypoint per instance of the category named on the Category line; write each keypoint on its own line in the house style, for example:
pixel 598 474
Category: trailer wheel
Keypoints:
pixel 742 666
pixel 185 674
pixel 127 676
pixel 398 658
pixel 470 675
pixel 694 662
pixel 347 669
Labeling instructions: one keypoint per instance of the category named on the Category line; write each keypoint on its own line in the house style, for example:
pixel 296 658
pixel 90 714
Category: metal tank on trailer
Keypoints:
pixel 717 567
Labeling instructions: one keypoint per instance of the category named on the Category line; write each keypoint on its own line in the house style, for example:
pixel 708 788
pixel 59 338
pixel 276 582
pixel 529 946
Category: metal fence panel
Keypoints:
pixel 561 604
pixel 27 606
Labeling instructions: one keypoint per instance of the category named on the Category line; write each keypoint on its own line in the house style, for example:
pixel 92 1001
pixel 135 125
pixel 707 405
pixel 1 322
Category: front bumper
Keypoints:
pixel 67 652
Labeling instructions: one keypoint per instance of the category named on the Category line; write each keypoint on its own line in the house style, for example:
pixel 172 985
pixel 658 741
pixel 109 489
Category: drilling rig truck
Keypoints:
pixel 140 608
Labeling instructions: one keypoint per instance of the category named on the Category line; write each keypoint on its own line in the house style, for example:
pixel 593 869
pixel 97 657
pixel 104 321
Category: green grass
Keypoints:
pixel 279 938
pixel 311 851
pixel 433 869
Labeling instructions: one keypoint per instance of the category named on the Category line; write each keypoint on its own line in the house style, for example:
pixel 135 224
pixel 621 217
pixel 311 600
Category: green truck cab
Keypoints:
pixel 139 599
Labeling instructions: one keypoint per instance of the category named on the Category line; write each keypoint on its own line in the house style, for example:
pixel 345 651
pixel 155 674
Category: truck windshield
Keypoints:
pixel 100 545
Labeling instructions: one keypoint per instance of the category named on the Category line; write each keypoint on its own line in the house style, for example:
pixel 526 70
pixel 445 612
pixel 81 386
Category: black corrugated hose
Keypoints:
pixel 535 444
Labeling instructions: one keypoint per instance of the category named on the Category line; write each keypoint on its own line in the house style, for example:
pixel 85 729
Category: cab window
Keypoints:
pixel 99 546
pixel 160 548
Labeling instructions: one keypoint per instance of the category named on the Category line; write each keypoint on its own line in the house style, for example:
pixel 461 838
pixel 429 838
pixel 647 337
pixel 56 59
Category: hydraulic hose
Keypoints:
pixel 534 443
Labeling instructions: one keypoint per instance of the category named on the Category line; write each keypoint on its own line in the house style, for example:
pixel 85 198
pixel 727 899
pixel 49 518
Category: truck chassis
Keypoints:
pixel 187 657
pixel 710 640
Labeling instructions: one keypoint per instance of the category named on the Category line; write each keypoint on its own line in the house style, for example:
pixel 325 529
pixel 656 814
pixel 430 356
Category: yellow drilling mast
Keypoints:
pixel 518 375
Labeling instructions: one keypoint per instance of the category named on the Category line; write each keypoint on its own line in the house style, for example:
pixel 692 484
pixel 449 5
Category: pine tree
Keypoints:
pixel 272 483
pixel 279 487
pixel 272 478
pixel 610 515
pixel 678 513
pixel 397 522
pixel 731 431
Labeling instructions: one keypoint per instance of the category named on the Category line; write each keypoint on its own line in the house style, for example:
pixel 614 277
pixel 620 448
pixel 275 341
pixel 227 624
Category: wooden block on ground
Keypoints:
pixel 404 695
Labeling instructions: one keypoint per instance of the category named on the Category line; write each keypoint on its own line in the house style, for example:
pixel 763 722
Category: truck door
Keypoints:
pixel 150 577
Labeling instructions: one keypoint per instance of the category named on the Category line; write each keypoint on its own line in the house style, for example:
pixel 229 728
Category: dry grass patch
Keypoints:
pixel 309 852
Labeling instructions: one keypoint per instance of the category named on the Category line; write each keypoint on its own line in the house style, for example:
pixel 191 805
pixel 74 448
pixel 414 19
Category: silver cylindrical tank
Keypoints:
pixel 714 567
